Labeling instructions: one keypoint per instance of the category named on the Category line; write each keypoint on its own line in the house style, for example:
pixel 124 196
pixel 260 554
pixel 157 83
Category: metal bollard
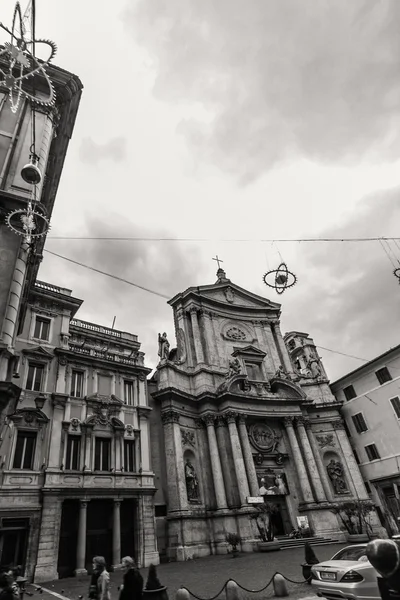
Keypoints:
pixel 232 590
pixel 280 586
pixel 182 594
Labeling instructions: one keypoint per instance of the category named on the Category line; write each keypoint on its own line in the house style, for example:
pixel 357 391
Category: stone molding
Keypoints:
pixel 209 419
pixel 231 416
pixel 220 421
pixel 288 421
pixel 338 424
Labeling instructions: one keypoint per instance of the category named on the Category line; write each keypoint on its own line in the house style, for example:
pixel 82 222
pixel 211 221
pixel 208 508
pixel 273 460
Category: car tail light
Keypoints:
pixel 352 576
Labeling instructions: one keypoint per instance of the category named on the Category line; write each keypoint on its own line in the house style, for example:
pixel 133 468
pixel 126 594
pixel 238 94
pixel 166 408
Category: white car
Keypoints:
pixel 348 575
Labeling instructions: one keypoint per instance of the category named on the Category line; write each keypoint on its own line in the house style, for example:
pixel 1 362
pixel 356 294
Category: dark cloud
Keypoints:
pixel 348 298
pixel 161 266
pixel 280 78
pixel 92 153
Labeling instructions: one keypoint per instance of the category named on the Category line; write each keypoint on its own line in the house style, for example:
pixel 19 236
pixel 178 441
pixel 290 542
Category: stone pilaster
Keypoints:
pixel 215 463
pixel 350 462
pixel 116 535
pixel 310 460
pixel 283 353
pixel 248 457
pixel 238 460
pixel 298 461
pixel 144 438
pixel 212 348
pixel 49 539
pixel 151 555
pixel 177 495
pixel 321 469
pixel 271 344
pixel 196 336
pixel 81 544
pixel 55 454
pixel 88 464
pixel 224 451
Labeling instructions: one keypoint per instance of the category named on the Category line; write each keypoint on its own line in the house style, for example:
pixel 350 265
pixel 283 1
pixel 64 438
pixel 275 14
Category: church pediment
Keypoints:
pixel 287 388
pixel 250 353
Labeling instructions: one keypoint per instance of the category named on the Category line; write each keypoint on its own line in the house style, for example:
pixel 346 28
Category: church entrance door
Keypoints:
pixel 280 520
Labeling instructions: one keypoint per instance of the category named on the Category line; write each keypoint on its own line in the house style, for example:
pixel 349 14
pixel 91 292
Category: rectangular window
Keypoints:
pixel 349 392
pixel 73 453
pixel 253 371
pixel 383 375
pixel 129 456
pixel 35 377
pixel 359 423
pixel 25 450
pixel 102 454
pixel 367 487
pixel 372 452
pixel 395 402
pixel 128 393
pixel 356 456
pixel 42 329
pixel 77 384
pixel 104 385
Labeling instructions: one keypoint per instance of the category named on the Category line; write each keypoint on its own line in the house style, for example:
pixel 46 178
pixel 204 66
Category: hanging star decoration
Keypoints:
pixel 28 222
pixel 18 64
pixel 280 279
pixel 396 273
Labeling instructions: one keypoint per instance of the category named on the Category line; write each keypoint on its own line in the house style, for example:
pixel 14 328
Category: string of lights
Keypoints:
pixel 241 240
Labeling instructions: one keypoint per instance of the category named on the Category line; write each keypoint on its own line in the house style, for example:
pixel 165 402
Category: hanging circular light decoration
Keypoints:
pixel 280 279
pixel 28 222
pixel 396 273
pixel 22 64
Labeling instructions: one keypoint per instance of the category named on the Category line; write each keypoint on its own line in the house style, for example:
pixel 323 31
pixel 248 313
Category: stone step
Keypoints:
pixel 301 543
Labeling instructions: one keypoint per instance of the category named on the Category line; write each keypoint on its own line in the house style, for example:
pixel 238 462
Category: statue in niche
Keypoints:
pixel 280 373
pixel 192 484
pixel 314 367
pixel 234 368
pixel 163 346
pixel 336 475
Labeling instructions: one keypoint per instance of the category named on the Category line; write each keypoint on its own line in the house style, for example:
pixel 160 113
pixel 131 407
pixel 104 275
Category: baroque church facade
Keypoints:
pixel 241 412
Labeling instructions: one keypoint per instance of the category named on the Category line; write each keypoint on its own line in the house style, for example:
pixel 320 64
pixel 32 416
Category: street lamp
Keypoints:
pixel 39 401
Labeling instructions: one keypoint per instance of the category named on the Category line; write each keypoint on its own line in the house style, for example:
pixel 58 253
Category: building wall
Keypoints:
pixel 383 427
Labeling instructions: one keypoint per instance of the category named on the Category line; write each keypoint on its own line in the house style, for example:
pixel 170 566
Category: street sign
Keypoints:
pixel 255 500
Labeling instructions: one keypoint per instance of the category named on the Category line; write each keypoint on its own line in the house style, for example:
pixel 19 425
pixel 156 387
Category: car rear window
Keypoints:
pixel 351 553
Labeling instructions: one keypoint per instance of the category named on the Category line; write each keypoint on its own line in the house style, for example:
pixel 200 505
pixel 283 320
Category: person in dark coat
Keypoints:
pixel 5 589
pixel 132 588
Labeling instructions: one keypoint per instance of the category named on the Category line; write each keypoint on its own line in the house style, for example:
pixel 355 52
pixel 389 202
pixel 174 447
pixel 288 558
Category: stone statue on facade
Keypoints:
pixel 280 373
pixel 192 484
pixel 163 346
pixel 235 368
pixel 314 367
pixel 336 475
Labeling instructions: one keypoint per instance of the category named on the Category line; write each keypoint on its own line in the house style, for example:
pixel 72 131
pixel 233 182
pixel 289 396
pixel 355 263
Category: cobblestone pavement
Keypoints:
pixel 205 577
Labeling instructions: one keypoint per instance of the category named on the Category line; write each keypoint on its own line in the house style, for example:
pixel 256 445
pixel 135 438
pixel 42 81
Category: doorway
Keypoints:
pixel 68 538
pixel 280 519
pixel 99 531
pixel 13 542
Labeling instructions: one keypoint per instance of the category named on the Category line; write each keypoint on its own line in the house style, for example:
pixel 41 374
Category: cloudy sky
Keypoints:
pixel 236 119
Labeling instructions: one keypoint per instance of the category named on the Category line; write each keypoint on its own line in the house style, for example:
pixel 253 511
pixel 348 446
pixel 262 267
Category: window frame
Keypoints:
pixel 130 444
pixel 40 319
pixel 367 450
pixel 348 387
pixel 356 422
pixel 392 405
pixel 72 438
pixel 26 433
pixel 130 384
pixel 35 365
pixel 254 366
pixel 71 388
pixel 378 376
pixel 102 441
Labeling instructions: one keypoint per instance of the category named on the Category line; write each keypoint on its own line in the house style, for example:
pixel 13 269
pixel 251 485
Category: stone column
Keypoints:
pixel 81 545
pixel 144 438
pixel 350 461
pixel 119 449
pixel 177 495
pixel 212 348
pixel 116 536
pixel 196 336
pixel 286 362
pixel 88 463
pixel 310 460
pixel 215 463
pixel 248 457
pixel 298 461
pixel 55 457
pixel 321 468
pixel 238 461
pixel 232 498
pixel 61 384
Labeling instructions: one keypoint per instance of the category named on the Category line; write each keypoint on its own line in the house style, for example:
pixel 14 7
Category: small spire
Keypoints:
pixel 222 278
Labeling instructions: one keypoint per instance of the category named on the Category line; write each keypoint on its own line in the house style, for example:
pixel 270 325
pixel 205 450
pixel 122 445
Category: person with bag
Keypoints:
pixel 132 587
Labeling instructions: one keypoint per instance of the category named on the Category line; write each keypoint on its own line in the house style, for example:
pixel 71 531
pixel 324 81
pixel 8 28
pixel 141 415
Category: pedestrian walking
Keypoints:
pixel 132 587
pixel 100 581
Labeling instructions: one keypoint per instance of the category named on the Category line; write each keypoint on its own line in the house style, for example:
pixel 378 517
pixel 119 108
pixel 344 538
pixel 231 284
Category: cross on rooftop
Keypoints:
pixel 218 261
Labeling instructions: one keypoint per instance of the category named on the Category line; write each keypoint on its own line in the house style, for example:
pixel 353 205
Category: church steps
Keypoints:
pixel 286 544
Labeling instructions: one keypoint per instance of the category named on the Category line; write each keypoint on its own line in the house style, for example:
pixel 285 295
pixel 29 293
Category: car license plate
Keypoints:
pixel 328 576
